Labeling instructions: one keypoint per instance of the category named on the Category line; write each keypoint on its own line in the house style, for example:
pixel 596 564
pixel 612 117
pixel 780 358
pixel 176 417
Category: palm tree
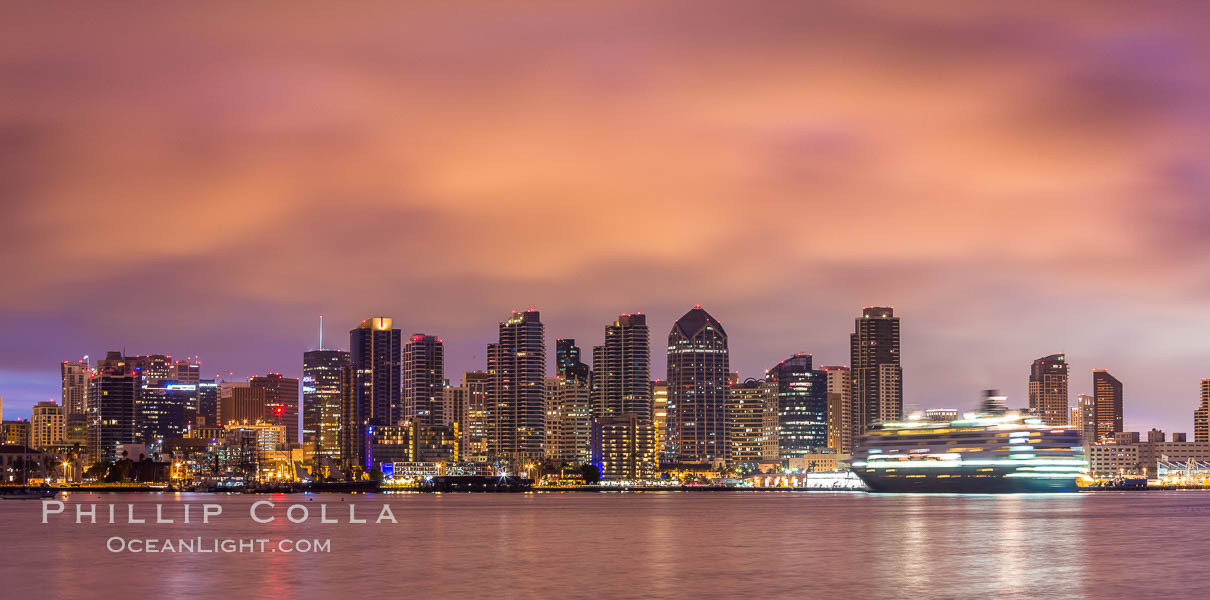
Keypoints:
pixel 49 464
pixel 19 466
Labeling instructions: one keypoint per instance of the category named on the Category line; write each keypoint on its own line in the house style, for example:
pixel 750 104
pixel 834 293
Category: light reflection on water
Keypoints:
pixel 708 544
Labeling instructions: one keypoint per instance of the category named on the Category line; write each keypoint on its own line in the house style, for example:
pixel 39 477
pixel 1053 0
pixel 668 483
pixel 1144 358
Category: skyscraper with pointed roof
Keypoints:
pixel 698 371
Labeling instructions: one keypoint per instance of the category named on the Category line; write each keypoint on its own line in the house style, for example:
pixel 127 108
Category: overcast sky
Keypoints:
pixel 1015 182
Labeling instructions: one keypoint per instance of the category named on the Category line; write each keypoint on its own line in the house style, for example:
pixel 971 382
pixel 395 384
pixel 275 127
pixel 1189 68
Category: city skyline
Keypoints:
pixel 1016 182
pixel 615 299
pixel 454 374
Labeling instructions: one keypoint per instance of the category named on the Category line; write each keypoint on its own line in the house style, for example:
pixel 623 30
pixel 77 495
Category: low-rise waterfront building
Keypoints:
pixel 1187 472
pixel 1106 461
pixel 1125 437
pixel 1132 457
pixel 941 415
pixel 624 448
pixel 815 462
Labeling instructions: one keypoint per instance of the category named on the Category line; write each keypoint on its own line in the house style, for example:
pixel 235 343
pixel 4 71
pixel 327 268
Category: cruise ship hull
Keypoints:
pixel 963 483
pixel 1006 453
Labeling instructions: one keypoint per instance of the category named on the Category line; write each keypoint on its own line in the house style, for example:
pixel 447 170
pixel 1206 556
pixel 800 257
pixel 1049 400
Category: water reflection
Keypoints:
pixel 788 544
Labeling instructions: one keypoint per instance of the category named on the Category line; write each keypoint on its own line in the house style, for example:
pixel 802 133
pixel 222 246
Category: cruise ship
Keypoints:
pixel 991 451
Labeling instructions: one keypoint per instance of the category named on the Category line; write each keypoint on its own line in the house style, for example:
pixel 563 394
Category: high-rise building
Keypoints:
pixel 353 435
pixel 621 370
pixel 455 403
pixel 432 444
pixel 164 410
pixel 321 401
pixel 113 394
pixel 281 402
pixel 659 414
pixel 877 376
pixel 153 368
pixel 516 402
pixel 15 433
pixel 771 449
pixel 76 432
pixel 1085 412
pixel 568 363
pixel 624 448
pixel 568 422
pixel 424 380
pixel 550 444
pixel 207 402
pixel 698 369
pixel 802 406
pixel 1048 389
pixel 48 425
pixel 75 385
pixel 113 359
pixel 1201 416
pixel 156 414
pixel 185 376
pixel 748 403
pixel 186 371
pixel 475 433
pixel 388 444
pixel 243 404
pixel 375 351
pixel 225 391
pixel 1107 391
pixel 840 409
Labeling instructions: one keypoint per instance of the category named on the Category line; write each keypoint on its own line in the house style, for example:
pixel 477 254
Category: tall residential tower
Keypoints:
pixel 1201 416
pixel 75 385
pixel 424 380
pixel 516 400
pixel 621 370
pixel 1107 391
pixel 875 366
pixel 840 409
pixel 375 352
pixel 1048 389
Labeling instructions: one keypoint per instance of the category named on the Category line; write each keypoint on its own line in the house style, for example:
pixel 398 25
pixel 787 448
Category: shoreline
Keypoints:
pixel 362 488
